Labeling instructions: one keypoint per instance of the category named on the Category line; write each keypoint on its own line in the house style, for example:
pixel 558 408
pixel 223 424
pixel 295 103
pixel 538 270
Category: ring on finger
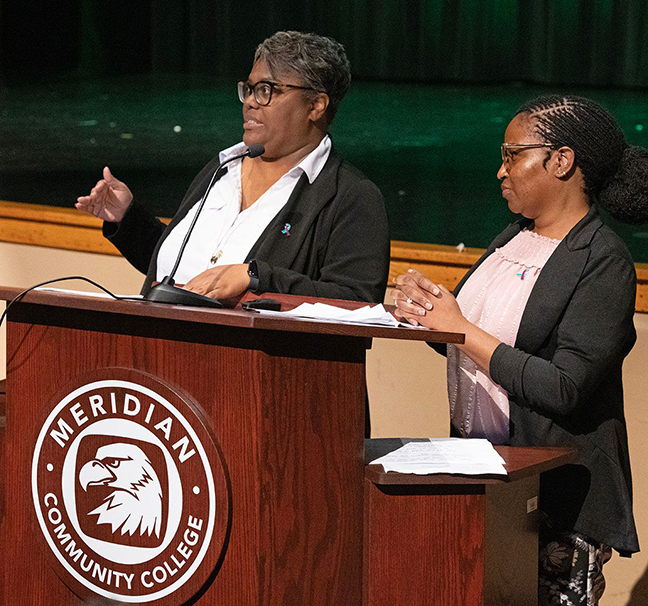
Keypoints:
pixel 409 300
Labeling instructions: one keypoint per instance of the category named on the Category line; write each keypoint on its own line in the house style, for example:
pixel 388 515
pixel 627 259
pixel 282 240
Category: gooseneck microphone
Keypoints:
pixel 166 291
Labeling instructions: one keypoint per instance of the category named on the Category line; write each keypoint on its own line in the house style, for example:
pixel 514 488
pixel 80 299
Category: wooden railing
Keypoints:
pixel 66 228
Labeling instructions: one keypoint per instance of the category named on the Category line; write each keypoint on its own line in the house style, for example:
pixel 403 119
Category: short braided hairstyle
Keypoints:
pixel 318 61
pixel 615 173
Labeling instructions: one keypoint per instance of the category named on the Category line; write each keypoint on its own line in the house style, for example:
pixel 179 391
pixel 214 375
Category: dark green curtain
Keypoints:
pixel 581 42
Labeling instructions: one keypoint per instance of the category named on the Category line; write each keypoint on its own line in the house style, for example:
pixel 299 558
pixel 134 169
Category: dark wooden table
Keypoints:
pixel 456 540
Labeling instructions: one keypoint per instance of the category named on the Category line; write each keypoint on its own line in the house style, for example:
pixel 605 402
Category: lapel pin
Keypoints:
pixel 286 229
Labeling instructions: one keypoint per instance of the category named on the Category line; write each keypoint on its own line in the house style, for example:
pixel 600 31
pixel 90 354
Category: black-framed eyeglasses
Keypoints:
pixel 263 90
pixel 509 150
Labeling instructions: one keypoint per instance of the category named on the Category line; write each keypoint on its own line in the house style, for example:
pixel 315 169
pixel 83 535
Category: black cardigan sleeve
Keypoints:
pixel 136 236
pixel 594 334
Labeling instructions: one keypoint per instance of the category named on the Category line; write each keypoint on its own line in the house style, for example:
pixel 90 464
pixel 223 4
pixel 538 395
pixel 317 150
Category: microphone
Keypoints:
pixel 166 291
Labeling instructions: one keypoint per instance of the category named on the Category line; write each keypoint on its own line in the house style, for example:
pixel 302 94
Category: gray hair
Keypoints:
pixel 319 63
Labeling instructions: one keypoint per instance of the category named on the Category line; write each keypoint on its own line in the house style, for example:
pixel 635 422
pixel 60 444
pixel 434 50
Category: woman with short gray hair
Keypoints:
pixel 319 62
pixel 295 219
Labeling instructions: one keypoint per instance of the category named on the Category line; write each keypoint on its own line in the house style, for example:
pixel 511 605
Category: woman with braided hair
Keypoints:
pixel 548 317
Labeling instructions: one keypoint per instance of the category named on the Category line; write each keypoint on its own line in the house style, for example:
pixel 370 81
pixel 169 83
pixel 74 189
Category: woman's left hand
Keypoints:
pixel 221 282
pixel 420 301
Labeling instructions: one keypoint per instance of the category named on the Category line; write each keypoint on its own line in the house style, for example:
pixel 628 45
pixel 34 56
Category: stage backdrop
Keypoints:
pixel 591 42
pixel 148 87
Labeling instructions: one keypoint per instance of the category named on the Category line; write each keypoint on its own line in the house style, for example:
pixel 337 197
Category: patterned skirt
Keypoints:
pixel 570 569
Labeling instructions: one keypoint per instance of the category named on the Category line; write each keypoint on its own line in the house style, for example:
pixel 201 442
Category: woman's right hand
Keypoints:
pixel 420 301
pixel 414 293
pixel 109 199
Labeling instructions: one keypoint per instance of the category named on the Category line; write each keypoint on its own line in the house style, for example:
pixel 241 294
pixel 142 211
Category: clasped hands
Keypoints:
pixel 421 302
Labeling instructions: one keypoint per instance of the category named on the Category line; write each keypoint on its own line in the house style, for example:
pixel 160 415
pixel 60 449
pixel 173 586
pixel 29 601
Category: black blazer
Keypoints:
pixel 563 377
pixel 338 245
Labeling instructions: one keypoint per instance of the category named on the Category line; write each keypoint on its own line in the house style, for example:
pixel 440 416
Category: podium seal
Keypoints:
pixel 130 490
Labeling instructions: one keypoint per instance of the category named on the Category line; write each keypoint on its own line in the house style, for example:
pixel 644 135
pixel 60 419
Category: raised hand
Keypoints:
pixel 109 199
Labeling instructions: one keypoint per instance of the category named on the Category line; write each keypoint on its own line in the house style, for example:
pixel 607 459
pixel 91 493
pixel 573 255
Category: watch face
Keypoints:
pixel 253 272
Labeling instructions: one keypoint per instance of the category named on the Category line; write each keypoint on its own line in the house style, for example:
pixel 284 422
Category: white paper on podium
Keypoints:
pixel 375 315
pixel 445 455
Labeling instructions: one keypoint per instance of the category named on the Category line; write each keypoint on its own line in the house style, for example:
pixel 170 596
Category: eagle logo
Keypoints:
pixel 134 501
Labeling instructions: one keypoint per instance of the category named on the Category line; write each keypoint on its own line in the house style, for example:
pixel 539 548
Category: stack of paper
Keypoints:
pixel 445 455
pixel 363 315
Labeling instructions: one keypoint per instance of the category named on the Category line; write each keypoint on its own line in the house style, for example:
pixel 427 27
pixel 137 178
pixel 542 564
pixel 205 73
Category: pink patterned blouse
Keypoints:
pixel 493 299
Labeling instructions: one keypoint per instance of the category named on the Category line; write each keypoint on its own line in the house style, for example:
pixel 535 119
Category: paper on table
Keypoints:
pixel 446 455
pixel 376 315
pixel 367 314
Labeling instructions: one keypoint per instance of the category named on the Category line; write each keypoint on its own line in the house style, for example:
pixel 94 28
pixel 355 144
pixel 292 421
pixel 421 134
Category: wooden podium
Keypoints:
pixel 247 434
pixel 283 400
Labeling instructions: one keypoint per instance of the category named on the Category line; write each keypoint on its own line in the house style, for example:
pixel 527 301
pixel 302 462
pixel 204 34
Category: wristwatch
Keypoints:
pixel 253 272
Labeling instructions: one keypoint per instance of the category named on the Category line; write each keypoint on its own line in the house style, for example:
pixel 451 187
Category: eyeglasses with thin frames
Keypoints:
pixel 263 90
pixel 508 148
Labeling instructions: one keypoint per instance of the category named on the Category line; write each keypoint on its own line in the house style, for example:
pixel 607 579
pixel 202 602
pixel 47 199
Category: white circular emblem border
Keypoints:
pixel 208 472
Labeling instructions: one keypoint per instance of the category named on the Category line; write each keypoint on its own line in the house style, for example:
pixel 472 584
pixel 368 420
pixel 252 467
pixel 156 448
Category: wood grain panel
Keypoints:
pixel 120 316
pixel 291 433
pixel 424 547
pixel 53 227
pixel 54 235
pixel 28 573
pixel 456 540
pixel 3 421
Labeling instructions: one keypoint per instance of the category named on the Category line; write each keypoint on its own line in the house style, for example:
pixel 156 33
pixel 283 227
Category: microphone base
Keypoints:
pixel 165 293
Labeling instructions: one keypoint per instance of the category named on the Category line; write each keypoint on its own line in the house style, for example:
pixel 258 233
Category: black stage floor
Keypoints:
pixel 433 150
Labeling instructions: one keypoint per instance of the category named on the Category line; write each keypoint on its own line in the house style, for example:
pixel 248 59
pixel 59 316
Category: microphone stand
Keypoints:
pixel 166 291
